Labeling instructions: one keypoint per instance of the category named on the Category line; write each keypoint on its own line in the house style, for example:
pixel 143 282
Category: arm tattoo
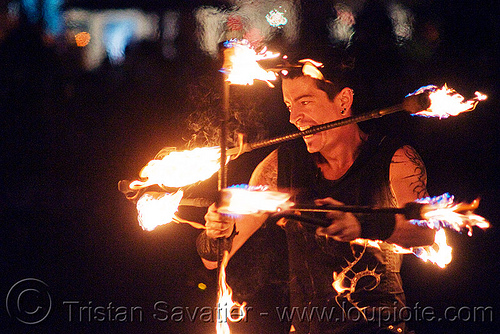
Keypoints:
pixel 266 173
pixel 418 179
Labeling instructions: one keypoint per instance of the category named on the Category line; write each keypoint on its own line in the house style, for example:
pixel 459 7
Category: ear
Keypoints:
pixel 345 97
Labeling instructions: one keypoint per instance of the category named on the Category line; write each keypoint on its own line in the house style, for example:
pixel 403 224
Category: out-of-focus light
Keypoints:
pixel 402 21
pixel 276 18
pixel 117 35
pixel 342 28
pixel 82 39
pixel 202 286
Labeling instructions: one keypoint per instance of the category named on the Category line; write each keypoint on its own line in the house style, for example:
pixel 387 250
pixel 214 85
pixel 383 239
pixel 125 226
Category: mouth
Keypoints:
pixel 303 128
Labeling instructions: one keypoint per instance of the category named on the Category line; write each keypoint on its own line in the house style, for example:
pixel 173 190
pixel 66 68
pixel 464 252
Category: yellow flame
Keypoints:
pixel 240 62
pixel 226 307
pixel 252 200
pixel 447 102
pixel 155 209
pixel 179 169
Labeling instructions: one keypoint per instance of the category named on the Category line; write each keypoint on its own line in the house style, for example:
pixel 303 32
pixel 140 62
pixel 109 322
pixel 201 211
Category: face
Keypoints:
pixel 310 106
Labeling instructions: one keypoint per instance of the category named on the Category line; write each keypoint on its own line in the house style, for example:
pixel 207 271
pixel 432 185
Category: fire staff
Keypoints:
pixel 340 165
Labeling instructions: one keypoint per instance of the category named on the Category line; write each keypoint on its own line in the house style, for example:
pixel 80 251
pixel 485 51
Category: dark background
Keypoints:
pixel 68 137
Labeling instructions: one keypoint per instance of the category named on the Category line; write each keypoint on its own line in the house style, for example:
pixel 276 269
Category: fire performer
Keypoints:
pixel 341 165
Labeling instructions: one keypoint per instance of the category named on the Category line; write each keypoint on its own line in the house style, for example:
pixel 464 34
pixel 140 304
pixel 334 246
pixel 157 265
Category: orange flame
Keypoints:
pixel 157 208
pixel 226 307
pixel 178 169
pixel 441 212
pixel 439 253
pixel 240 63
pixel 248 200
pixel 447 102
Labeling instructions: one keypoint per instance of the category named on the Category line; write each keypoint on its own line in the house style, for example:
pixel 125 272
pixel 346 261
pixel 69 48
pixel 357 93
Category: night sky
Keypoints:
pixel 70 135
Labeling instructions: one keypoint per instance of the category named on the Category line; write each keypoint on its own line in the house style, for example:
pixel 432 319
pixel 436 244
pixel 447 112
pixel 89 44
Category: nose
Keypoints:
pixel 295 116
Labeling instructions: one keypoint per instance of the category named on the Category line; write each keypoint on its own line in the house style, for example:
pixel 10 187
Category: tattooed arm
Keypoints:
pixel 408 180
pixel 266 173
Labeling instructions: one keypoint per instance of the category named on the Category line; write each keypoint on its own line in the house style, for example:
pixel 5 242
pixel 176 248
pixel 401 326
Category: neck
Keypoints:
pixel 336 160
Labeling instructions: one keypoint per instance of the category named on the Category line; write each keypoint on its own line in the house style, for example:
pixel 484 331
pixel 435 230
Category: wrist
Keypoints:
pixel 211 248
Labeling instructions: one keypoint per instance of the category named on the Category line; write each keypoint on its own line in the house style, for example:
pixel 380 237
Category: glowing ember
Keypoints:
pixel 179 169
pixel 240 63
pixel 246 200
pixel 275 18
pixel 447 102
pixel 226 307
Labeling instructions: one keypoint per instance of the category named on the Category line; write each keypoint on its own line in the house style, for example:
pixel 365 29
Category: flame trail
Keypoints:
pixel 226 307
pixel 447 102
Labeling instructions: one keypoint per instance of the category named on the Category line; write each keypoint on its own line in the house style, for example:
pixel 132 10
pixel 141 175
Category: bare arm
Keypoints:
pixel 266 173
pixel 408 180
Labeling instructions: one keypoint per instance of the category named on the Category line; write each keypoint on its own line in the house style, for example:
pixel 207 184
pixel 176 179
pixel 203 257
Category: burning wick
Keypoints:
pixel 240 63
pixel 446 102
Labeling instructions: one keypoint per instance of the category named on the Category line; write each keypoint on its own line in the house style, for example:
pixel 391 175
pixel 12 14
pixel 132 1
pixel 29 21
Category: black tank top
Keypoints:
pixel 313 260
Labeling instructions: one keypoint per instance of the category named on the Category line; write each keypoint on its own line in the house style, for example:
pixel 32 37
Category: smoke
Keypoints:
pixel 246 113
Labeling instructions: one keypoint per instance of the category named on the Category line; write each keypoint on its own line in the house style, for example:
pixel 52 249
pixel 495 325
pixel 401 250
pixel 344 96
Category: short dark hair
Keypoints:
pixel 337 69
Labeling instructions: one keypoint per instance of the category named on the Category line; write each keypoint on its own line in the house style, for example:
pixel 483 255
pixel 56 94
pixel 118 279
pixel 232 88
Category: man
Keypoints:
pixel 336 270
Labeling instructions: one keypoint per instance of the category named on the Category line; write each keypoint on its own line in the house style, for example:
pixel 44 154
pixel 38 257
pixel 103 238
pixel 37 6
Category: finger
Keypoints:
pixel 335 215
pixel 218 233
pixel 329 231
pixel 327 201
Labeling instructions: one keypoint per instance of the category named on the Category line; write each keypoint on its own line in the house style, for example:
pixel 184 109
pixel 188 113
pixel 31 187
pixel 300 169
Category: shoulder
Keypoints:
pixel 406 159
pixel 408 174
pixel 266 172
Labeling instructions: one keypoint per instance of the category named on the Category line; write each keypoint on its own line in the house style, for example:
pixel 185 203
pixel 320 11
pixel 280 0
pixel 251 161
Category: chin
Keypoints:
pixel 312 145
pixel 311 148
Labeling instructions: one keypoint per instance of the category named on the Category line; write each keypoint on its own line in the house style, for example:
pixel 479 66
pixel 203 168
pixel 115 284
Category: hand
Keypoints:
pixel 217 225
pixel 345 227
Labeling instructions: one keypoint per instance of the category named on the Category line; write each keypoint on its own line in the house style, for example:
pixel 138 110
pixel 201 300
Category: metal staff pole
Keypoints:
pixel 412 104
pixel 222 181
